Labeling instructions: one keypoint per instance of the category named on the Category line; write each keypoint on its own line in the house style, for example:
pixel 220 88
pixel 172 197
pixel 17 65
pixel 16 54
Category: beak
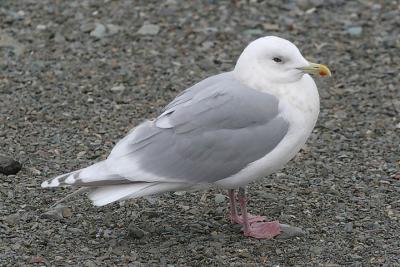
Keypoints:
pixel 316 69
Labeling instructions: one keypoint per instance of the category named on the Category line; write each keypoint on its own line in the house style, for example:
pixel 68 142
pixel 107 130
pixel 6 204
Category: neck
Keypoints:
pixel 302 94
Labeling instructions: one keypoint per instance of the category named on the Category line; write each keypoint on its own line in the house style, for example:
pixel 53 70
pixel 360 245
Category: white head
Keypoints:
pixel 276 60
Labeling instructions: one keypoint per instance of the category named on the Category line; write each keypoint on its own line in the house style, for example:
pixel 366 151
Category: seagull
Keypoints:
pixel 225 131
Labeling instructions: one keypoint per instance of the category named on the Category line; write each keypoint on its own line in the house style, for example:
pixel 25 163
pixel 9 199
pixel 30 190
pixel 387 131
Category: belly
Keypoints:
pixel 301 125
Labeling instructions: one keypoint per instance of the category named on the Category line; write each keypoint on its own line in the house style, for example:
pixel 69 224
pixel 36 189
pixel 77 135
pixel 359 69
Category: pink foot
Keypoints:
pixel 252 218
pixel 263 230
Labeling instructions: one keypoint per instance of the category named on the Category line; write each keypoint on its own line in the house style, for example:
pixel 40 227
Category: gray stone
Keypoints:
pixel 12 219
pixel 113 29
pixel 288 231
pixel 118 88
pixel 149 29
pixel 99 31
pixel 219 198
pixel 8 41
pixel 87 27
pixel 135 232
pixel 348 227
pixel 355 31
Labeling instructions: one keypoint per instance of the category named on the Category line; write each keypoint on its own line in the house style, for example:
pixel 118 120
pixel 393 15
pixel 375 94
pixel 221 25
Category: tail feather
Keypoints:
pixel 107 194
pixel 94 175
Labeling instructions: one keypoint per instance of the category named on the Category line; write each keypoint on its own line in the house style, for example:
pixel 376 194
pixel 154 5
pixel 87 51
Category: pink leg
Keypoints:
pixel 256 229
pixel 235 218
pixel 232 206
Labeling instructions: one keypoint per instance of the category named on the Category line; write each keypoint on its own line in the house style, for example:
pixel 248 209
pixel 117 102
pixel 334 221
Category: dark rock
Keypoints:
pixel 9 166
pixel 135 232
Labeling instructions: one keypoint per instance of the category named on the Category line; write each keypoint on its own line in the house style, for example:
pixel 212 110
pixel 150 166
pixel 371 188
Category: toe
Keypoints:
pixel 264 230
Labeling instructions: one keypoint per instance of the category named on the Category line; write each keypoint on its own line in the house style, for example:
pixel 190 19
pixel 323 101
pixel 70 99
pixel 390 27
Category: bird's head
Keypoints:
pixel 277 60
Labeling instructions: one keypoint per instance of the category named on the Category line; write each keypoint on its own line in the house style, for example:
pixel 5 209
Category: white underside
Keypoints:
pixel 299 104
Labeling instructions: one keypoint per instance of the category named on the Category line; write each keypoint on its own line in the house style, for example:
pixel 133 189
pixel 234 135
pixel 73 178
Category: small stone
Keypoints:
pixel 87 27
pixel 21 13
pixel 90 263
pixel 59 38
pixel 316 250
pixel 254 32
pixel 220 211
pixel 118 88
pixel 288 231
pixel 355 31
pixel 12 219
pixel 81 153
pixel 374 226
pixel 9 166
pixel 113 29
pixel 99 31
pixel 58 213
pixel 66 212
pixel 8 41
pixel 41 27
pixel 135 232
pixel 270 27
pixel 348 227
pixel 180 193
pixel 169 229
pixel 356 257
pixel 37 259
pixel 90 100
pixel 149 29
pixel 219 198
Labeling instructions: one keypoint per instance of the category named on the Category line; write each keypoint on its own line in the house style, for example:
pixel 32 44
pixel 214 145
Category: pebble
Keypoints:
pixel 66 212
pixel 58 213
pixel 355 31
pixel 149 29
pixel 99 31
pixel 135 232
pixel 219 198
pixel 90 263
pixel 288 231
pixel 270 27
pixel 316 250
pixel 117 88
pixel 113 29
pixel 9 166
pixel 356 257
pixel 41 27
pixel 12 219
pixel 348 227
pixel 59 38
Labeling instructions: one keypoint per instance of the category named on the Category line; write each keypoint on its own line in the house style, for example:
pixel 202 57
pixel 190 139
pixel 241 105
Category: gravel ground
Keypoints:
pixel 75 76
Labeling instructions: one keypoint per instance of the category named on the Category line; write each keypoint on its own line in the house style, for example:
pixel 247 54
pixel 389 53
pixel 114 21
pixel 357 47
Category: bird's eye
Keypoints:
pixel 277 59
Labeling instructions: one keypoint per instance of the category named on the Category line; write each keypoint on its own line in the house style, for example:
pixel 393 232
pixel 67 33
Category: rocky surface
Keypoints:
pixel 77 75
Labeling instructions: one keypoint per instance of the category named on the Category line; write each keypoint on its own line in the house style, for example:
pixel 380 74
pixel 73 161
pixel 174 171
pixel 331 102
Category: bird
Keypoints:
pixel 225 131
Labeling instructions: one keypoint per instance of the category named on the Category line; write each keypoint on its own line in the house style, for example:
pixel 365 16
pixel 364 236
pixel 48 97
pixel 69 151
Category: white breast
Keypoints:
pixel 299 105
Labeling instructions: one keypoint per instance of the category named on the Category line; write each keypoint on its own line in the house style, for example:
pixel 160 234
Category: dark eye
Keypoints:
pixel 277 59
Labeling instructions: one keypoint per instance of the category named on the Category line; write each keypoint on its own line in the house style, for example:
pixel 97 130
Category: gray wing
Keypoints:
pixel 209 132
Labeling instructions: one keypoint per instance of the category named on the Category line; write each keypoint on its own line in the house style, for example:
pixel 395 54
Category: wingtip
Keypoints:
pixel 45 184
pixel 53 183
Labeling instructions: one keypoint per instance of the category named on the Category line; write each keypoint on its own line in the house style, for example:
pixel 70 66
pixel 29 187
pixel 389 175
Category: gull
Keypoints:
pixel 225 131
